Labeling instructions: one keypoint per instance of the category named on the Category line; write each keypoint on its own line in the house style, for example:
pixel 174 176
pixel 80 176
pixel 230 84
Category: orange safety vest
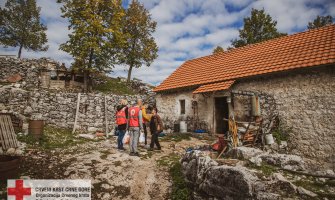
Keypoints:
pixel 121 117
pixel 133 116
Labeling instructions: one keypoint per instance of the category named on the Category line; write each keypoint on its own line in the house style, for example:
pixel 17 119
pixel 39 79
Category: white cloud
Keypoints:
pixel 290 15
pixel 187 29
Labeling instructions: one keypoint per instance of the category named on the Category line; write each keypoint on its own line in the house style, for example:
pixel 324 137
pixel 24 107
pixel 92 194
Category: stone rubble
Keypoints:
pixel 257 156
pixel 305 192
pixel 25 99
pixel 209 180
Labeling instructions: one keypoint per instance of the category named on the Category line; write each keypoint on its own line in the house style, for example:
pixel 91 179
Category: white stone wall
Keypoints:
pixel 59 108
pixel 305 102
pixel 169 109
pixel 303 99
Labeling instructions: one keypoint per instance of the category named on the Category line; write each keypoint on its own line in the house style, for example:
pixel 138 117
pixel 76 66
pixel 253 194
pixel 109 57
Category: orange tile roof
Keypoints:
pixel 305 49
pixel 214 87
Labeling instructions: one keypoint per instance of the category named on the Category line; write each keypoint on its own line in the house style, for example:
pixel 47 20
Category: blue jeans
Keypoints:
pixel 134 135
pixel 120 138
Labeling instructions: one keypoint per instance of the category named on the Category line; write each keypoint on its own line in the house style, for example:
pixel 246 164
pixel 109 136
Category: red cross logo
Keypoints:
pixel 19 191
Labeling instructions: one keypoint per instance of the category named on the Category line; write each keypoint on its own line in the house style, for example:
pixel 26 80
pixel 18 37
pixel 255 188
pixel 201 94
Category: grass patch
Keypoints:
pixel 117 163
pixel 148 155
pixel 53 138
pixel 180 191
pixel 266 169
pixel 177 137
pixel 104 154
pixel 122 191
pixel 113 86
pixel 168 161
pixel 280 133
pixel 322 189
pixel 310 185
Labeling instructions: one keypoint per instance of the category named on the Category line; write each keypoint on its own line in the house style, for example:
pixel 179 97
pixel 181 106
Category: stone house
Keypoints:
pixel 291 78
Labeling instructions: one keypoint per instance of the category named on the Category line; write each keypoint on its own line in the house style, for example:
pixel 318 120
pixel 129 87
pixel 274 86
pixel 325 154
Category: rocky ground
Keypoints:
pixel 245 173
pixel 254 174
pixel 114 174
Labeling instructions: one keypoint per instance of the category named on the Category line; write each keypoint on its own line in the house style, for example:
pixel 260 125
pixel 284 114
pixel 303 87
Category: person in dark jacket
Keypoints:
pixel 156 127
pixel 121 120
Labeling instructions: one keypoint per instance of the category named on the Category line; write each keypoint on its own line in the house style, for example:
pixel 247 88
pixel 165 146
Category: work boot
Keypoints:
pixel 159 148
pixel 137 154
pixel 131 153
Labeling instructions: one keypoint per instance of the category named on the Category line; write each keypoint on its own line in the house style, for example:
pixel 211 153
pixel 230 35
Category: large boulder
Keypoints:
pixel 244 153
pixel 222 182
pixel 226 182
pixel 286 161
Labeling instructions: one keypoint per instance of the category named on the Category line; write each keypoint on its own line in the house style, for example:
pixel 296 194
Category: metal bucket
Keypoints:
pixel 9 167
pixel 269 139
pixel 36 128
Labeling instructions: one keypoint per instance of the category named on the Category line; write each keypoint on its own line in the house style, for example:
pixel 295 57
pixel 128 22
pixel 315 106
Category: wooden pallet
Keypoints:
pixel 7 133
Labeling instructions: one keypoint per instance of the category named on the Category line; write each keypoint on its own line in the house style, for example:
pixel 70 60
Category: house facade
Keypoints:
pixel 288 80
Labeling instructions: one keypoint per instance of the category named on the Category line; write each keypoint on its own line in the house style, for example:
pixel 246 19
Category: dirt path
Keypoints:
pixel 114 174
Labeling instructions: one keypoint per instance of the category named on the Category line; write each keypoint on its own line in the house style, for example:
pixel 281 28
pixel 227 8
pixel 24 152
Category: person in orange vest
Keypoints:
pixel 135 125
pixel 121 121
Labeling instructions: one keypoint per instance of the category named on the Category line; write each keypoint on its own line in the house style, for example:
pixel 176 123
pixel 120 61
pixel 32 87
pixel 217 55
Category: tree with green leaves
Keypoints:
pixel 218 49
pixel 96 35
pixel 141 47
pixel 320 21
pixel 258 27
pixel 20 26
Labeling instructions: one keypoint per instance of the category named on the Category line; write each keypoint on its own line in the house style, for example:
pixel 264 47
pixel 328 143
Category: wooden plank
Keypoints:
pixel 76 116
pixel 12 132
pixel 106 117
pixel 9 140
pixel 222 152
pixel 2 137
pixel 8 137
pixel 4 134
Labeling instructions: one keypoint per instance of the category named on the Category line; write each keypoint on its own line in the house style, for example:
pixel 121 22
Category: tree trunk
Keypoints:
pixel 129 73
pixel 20 50
pixel 86 74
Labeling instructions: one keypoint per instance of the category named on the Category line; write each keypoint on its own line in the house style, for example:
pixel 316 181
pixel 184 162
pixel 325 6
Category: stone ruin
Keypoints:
pixel 22 94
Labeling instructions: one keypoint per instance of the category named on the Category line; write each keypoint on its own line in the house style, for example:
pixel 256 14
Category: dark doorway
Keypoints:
pixel 221 112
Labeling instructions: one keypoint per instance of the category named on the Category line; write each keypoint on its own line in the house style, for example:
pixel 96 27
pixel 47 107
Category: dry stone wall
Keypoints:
pixel 59 108
pixel 305 104
pixel 27 100
pixel 28 69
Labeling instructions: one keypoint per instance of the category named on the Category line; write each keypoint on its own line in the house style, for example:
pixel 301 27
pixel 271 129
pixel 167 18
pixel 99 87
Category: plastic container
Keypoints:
pixel 269 139
pixel 183 127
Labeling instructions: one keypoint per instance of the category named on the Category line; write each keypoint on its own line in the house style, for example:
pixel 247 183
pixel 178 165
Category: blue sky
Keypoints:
pixel 186 29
